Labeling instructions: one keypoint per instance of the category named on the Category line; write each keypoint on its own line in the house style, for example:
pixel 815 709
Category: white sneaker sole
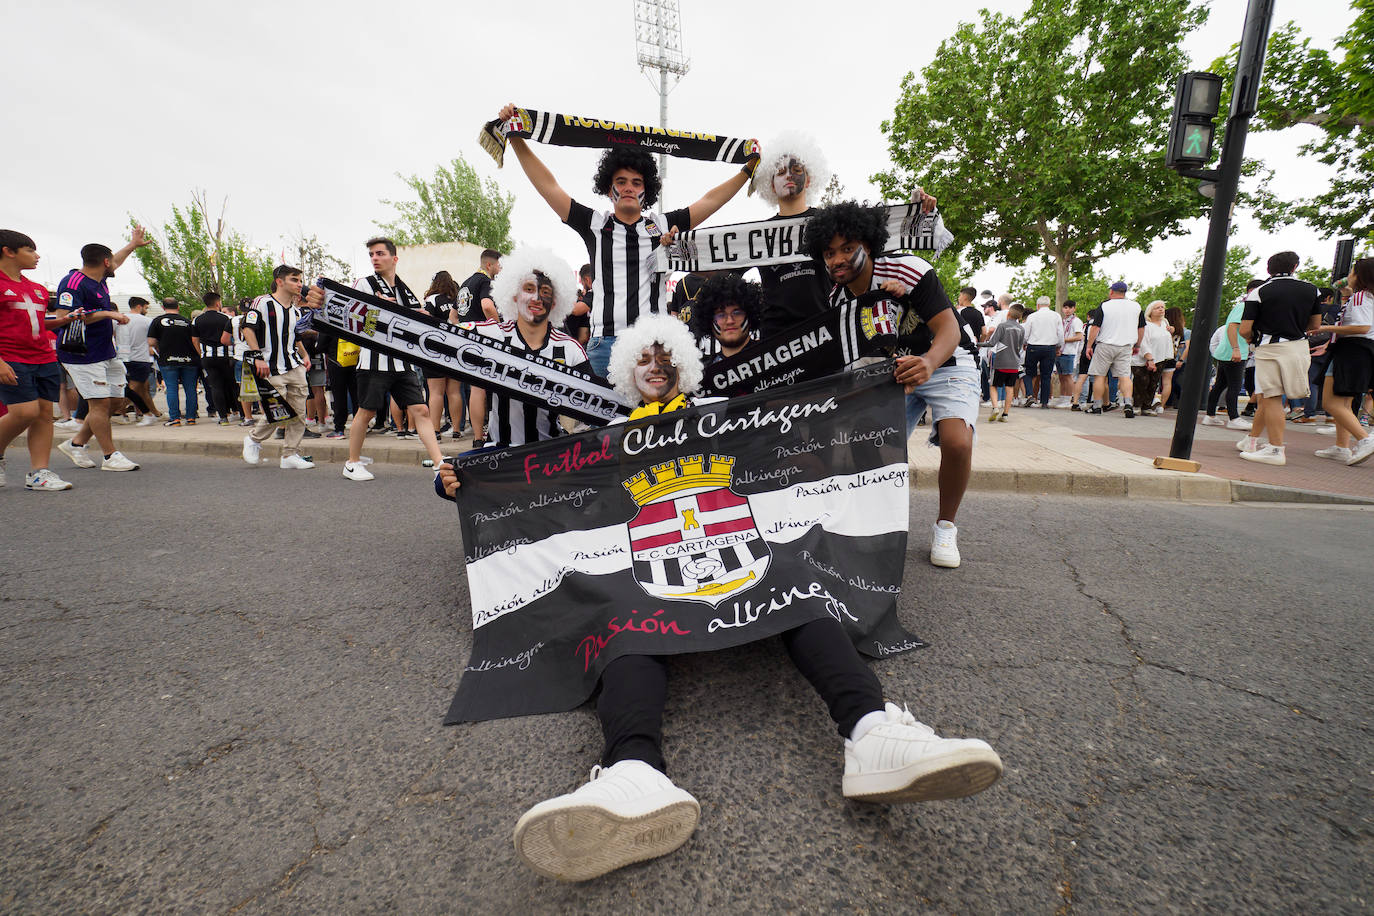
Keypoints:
pixel 966 771
pixel 579 842
pixel 106 468
pixel 944 561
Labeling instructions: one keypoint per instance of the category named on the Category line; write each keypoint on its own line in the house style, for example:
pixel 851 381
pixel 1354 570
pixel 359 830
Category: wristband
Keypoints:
pixel 253 355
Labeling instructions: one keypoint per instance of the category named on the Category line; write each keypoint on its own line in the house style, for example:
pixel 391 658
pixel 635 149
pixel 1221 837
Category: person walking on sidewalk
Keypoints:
pixel 276 355
pixel 1067 363
pixel 98 373
pixel 1115 332
pixel 1006 346
pixel 1229 352
pixel 1351 372
pixel 213 335
pixel 1278 316
pixel 1044 343
pixel 1156 348
pixel 29 373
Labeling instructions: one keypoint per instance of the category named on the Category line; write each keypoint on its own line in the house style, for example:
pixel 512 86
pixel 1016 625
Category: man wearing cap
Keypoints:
pixel 1116 329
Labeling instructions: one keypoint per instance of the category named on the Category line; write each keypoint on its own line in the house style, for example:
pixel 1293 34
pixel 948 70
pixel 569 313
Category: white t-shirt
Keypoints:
pixel 1122 320
pixel 1359 310
pixel 240 346
pixel 131 340
pixel 1044 329
pixel 1158 343
pixel 1072 325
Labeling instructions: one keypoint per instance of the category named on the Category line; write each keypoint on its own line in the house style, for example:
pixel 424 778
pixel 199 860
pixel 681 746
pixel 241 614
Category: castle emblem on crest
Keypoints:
pixel 694 539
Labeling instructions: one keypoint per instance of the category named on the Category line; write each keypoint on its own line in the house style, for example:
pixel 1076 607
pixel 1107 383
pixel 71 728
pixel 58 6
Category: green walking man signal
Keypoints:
pixel 1196 100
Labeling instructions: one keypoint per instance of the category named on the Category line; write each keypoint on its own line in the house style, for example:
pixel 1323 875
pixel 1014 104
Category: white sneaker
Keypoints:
pixel 1335 452
pixel 1250 443
pixel 77 453
pixel 296 463
pixel 44 480
pixel 357 471
pixel 364 460
pixel 72 424
pixel 1214 421
pixel 1269 454
pixel 901 760
pixel 1327 430
pixel 1238 423
pixel 627 813
pixel 117 462
pixel 1361 452
pixel 944 545
pixel 148 420
pixel 252 451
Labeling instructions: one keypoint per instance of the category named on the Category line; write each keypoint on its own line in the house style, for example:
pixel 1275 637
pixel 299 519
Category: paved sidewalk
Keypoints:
pixel 1036 451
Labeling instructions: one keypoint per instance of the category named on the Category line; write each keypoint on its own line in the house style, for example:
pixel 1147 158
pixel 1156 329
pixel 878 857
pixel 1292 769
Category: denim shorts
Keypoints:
pixel 33 382
pixel 952 391
pixel 1067 364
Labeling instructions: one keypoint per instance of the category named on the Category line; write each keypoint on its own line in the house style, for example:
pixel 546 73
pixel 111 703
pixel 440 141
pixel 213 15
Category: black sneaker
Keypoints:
pixel 1075 406
pixel 1129 411
pixel 310 434
pixel 445 428
pixel 1094 410
pixel 1107 408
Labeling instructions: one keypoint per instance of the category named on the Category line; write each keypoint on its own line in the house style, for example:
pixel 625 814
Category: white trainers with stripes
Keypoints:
pixel 627 813
pixel 901 760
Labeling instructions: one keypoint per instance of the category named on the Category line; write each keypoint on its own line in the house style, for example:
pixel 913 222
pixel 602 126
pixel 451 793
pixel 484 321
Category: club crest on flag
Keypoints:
pixel 693 538
pixel 879 318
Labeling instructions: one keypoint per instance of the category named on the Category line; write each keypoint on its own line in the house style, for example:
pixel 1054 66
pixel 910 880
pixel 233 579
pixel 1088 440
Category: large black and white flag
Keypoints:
pixel 687 531
pixel 463 353
pixel 783 241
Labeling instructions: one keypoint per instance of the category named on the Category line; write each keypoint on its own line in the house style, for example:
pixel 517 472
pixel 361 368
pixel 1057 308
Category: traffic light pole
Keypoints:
pixel 1249 66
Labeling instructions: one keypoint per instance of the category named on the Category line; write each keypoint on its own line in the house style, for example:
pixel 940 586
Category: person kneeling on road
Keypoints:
pixel 630 811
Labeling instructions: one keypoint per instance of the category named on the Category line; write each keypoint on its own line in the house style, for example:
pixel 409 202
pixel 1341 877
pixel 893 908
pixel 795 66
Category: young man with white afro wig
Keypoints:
pixel 523 265
pixel 792 163
pixel 656 362
pixel 534 293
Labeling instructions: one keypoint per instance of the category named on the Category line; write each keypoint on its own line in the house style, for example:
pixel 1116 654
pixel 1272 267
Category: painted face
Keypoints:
pixel 790 178
pixel 732 325
pixel 627 188
pixel 845 259
pixel 655 375
pixel 533 301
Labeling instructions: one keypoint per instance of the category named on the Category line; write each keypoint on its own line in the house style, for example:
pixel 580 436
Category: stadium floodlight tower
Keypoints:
pixel 658 46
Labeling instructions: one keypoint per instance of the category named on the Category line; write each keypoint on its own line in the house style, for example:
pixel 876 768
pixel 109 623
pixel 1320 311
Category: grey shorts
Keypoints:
pixel 952 391
pixel 1114 358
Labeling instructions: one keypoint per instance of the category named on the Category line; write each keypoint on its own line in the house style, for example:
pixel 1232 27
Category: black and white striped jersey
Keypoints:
pixel 908 317
pixel 626 280
pixel 512 422
pixel 274 325
pixel 372 360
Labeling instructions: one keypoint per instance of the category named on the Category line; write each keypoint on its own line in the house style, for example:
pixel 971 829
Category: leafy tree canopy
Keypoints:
pixel 456 205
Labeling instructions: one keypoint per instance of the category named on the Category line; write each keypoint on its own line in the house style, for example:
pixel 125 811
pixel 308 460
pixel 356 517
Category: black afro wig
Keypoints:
pixel 636 160
pixel 848 220
pixel 725 289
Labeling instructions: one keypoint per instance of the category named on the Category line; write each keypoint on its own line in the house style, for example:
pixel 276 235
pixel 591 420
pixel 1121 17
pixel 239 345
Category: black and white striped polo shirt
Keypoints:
pixel 626 280
pixel 209 328
pixel 512 422
pixel 371 360
pixel 274 325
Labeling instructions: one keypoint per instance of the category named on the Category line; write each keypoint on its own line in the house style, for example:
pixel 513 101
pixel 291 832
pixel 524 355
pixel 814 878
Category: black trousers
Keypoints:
pixel 343 385
pixel 634 689
pixel 220 388
pixel 1229 374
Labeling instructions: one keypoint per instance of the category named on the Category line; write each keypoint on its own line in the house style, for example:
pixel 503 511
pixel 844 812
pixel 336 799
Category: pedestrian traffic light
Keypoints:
pixel 1196 100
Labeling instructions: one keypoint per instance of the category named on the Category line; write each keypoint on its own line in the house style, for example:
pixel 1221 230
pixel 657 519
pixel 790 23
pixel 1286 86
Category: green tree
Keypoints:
pixel 1086 287
pixel 456 205
pixel 834 192
pixel 1043 136
pixel 193 257
pixel 1305 85
pixel 1179 287
pixel 309 254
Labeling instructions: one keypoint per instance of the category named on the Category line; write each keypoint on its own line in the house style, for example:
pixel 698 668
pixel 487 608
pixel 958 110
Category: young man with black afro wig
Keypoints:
pixel 936 354
pixel 621 240
pixel 727 312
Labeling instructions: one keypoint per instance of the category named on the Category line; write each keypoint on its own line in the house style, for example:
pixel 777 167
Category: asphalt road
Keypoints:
pixel 222 690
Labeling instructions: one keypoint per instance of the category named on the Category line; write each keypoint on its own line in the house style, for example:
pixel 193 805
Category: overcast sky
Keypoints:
pixel 302 113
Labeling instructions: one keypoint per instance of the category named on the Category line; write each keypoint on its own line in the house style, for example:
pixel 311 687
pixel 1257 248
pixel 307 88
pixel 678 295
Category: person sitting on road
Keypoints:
pixel 630 806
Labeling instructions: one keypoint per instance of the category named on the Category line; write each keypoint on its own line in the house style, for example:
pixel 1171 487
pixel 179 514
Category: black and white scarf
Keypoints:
pixel 595 133
pixel 783 241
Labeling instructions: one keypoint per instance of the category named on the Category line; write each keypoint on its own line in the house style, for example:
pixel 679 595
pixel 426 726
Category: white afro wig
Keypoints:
pixel 650 329
pixel 520 266
pixel 775 154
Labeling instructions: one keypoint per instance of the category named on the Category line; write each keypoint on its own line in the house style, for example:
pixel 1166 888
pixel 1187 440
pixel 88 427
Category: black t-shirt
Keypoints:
pixel 172 331
pixel 577 323
pixel 972 317
pixel 794 292
pixel 210 328
pixel 438 306
pixel 1281 308
pixel 684 301
pixel 470 295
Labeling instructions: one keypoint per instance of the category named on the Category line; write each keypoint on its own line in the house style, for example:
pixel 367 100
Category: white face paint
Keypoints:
pixel 790 179
pixel 655 375
pixel 530 304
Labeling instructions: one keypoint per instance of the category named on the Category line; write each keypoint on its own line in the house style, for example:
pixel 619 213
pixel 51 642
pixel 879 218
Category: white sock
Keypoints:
pixel 864 725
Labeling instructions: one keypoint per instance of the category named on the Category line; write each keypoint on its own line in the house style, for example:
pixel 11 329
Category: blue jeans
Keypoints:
pixel 1040 361
pixel 599 354
pixel 950 392
pixel 180 378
